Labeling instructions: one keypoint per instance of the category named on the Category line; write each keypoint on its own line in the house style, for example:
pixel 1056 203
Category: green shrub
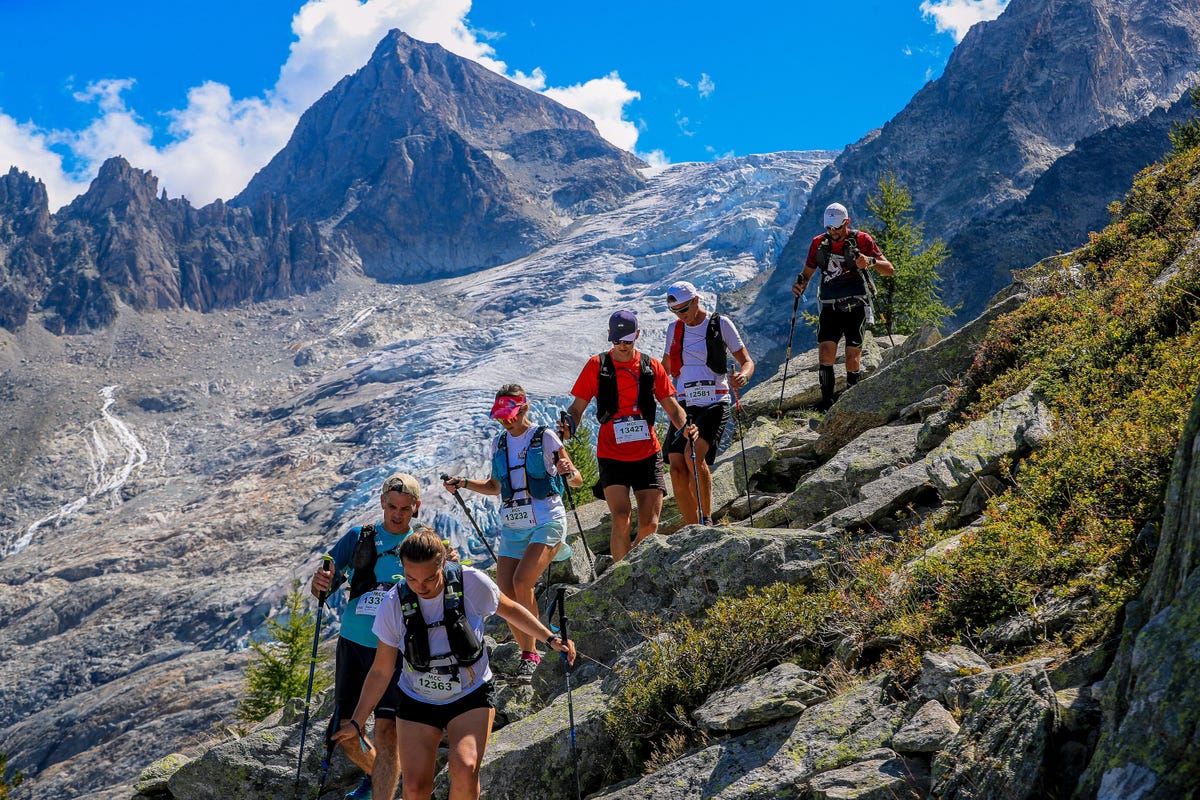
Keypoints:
pixel 738 638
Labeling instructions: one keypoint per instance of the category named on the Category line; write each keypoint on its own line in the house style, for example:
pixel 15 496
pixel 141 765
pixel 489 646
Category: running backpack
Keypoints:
pixel 538 483
pixel 465 646
pixel 714 341
pixel 607 403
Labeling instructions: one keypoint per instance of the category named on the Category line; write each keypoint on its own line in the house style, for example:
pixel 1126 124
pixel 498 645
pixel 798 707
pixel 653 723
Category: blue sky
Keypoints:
pixel 203 94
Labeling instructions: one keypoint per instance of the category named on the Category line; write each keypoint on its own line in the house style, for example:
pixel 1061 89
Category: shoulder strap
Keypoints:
pixel 606 390
pixel 714 341
pixel 362 579
pixel 647 404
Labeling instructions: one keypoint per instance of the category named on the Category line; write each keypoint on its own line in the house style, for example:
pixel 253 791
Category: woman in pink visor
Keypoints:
pixel 529 467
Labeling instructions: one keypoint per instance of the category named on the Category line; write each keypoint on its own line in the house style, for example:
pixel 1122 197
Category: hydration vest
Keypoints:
pixel 465 646
pixel 607 403
pixel 363 561
pixel 849 256
pixel 538 483
pixel 714 341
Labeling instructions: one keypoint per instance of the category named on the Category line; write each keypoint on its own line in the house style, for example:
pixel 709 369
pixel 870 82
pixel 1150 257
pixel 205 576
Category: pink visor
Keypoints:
pixel 507 407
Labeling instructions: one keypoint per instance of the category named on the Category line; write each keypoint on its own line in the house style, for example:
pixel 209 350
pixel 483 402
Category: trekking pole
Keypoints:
pixel 788 357
pixel 564 632
pixel 326 566
pixel 471 517
pixel 737 420
pixel 330 746
pixel 691 446
pixel 562 419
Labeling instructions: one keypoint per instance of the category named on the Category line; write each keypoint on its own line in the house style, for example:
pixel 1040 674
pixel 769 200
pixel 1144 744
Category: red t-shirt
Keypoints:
pixel 628 376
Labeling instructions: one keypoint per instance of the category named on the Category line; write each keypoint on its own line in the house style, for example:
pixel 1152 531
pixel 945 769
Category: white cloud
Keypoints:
pixel 218 141
pixel 704 86
pixel 604 100
pixel 957 16
pixel 28 149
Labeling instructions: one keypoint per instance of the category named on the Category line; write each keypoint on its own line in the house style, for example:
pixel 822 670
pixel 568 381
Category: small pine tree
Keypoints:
pixel 8 781
pixel 911 297
pixel 1186 135
pixel 279 670
pixel 583 456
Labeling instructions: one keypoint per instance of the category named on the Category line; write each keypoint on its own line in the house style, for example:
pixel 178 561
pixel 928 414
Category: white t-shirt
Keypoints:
pixel 547 509
pixel 481 598
pixel 697 385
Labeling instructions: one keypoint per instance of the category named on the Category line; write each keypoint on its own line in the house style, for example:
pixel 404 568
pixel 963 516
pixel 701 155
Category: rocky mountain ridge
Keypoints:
pixel 121 245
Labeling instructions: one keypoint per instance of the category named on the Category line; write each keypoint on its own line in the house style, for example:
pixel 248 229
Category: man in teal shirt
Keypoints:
pixel 368 558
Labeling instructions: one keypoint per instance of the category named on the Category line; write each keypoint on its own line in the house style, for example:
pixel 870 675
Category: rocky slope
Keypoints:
pixel 435 166
pixel 1038 122
pixel 963 726
pixel 120 245
pixel 162 499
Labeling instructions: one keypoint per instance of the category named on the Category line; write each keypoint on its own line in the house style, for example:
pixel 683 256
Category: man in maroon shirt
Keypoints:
pixel 843 256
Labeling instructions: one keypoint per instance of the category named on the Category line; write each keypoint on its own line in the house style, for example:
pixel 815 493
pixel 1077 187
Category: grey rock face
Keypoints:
pixel 880 400
pixel 782 692
pixel 683 574
pixel 1000 751
pixel 939 669
pixel 881 775
pixel 435 166
pixel 927 731
pixel 121 244
pixel 973 451
pixel 779 760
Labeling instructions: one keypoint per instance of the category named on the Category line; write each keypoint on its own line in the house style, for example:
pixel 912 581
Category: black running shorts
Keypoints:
pixel 353 663
pixel 833 325
pixel 710 420
pixel 636 475
pixel 435 716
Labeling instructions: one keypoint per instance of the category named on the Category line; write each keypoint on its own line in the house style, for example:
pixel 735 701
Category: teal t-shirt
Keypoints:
pixel 360 612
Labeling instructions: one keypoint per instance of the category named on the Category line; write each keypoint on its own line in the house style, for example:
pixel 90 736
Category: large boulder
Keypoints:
pixel 879 400
pixel 1019 424
pixel 1000 751
pixel 533 758
pixel 835 485
pixel 684 574
pixel 801 388
pixel 779 760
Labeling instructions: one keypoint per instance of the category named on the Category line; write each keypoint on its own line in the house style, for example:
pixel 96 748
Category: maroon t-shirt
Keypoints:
pixel 838 279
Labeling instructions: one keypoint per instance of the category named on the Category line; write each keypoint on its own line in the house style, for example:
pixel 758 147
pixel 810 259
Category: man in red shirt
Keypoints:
pixel 843 256
pixel 627 384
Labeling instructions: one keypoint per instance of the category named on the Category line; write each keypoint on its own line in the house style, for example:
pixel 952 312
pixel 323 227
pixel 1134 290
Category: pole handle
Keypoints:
pixel 326 566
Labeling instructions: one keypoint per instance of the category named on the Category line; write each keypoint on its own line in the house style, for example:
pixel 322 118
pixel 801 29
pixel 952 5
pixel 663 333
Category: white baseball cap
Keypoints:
pixel 835 215
pixel 682 292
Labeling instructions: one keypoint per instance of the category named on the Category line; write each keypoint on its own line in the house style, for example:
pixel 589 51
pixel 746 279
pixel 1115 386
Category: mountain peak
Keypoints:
pixel 434 165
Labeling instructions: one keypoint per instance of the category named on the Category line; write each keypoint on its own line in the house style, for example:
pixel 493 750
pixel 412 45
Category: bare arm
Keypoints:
pixel 490 486
pixel 520 618
pixel 373 688
pixel 742 376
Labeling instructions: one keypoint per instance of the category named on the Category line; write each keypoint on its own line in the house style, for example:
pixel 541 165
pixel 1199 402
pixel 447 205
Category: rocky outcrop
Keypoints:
pixel 435 166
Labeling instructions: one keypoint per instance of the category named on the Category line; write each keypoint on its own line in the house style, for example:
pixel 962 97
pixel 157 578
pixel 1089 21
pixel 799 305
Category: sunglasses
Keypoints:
pixel 682 309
